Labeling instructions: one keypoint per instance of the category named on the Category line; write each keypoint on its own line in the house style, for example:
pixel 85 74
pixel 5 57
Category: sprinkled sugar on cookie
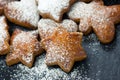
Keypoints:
pixel 23 13
pixel 46 26
pixel 24 47
pixel 3 3
pixel 4 36
pixel 63 48
pixel 96 16
pixel 54 9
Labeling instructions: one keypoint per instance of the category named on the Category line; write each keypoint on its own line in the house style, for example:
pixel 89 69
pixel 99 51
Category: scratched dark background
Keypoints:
pixel 102 63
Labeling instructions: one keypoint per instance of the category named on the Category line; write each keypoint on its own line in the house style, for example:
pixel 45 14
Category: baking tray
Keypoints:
pixel 102 63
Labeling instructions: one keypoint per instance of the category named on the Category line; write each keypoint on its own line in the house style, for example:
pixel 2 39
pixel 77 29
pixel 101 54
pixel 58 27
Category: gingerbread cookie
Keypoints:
pixel 4 36
pixel 23 13
pixel 63 48
pixel 46 26
pixel 98 17
pixel 24 48
pixel 54 9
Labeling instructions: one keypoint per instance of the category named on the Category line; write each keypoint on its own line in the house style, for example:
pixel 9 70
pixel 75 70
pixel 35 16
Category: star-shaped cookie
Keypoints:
pixel 95 15
pixel 4 36
pixel 63 48
pixel 54 9
pixel 23 13
pixel 24 48
pixel 46 26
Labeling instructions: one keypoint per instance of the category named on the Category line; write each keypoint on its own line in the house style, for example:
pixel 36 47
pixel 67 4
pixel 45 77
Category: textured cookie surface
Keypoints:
pixel 98 17
pixel 46 26
pixel 54 9
pixel 63 48
pixel 3 3
pixel 23 13
pixel 24 47
pixel 4 36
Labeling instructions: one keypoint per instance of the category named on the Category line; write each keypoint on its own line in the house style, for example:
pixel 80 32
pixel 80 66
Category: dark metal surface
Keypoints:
pixel 102 63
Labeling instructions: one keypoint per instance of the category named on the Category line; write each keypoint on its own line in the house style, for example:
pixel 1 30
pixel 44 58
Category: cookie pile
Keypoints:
pixel 60 37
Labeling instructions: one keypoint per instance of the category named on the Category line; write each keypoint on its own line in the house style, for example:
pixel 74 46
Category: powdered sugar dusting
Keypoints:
pixel 4 36
pixel 24 37
pixel 94 11
pixel 70 25
pixel 46 26
pixel 41 72
pixel 3 27
pixel 54 7
pixel 57 52
pixel 78 10
pixel 96 16
pixel 25 45
pixel 4 2
pixel 62 48
pixel 93 43
pixel 28 57
pixel 24 11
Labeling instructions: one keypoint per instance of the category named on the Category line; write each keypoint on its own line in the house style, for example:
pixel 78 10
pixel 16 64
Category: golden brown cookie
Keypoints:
pixel 24 48
pixel 46 26
pixel 4 36
pixel 54 9
pixel 23 13
pixel 63 48
pixel 95 15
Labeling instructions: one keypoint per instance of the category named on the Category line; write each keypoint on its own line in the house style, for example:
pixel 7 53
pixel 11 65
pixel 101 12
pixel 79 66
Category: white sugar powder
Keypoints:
pixel 41 72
